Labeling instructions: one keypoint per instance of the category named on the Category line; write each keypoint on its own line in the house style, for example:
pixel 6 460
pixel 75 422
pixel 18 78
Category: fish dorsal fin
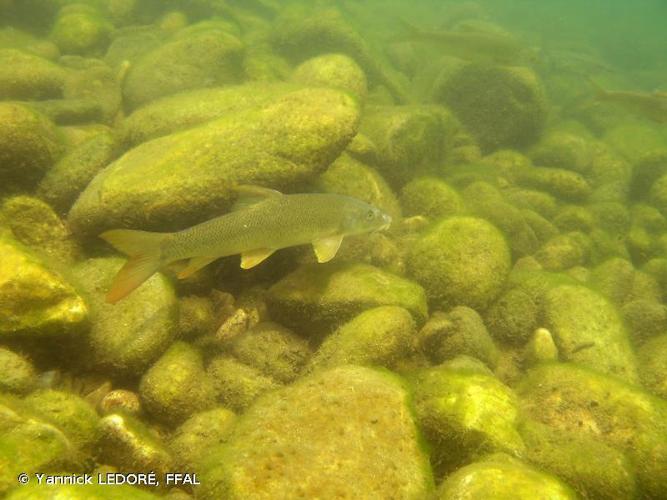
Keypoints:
pixel 254 257
pixel 195 264
pixel 326 248
pixel 251 195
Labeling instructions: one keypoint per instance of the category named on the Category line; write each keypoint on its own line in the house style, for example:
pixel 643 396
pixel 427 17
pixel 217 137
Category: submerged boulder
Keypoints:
pixel 589 331
pixel 502 107
pixel 195 59
pixel 465 413
pixel 125 338
pixel 461 261
pixel 31 77
pixel 35 299
pixel 183 178
pixel 573 398
pixel 500 476
pixel 317 298
pixel 345 432
pixel 29 145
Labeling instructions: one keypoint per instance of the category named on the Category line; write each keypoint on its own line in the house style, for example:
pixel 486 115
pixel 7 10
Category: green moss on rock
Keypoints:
pixel 573 398
pixel 431 197
pixel 272 349
pixel 380 336
pixel 464 414
pixel 183 178
pixel 460 261
pixel 31 77
pixel 176 386
pixel 34 299
pixel 317 298
pixel 345 432
pixel 589 331
pixel 503 478
pixel 125 338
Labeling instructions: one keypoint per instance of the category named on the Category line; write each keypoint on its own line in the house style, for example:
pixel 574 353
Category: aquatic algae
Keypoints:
pixel 344 431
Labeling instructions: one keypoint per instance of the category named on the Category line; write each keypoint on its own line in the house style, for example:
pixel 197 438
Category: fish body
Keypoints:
pixel 470 45
pixel 255 230
pixel 651 105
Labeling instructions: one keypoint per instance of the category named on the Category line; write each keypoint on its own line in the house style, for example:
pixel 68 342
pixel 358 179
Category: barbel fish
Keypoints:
pixel 261 222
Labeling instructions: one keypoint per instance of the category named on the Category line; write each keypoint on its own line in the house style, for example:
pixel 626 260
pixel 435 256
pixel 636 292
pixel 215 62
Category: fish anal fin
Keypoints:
pixel 194 265
pixel 135 271
pixel 251 195
pixel 326 248
pixel 254 257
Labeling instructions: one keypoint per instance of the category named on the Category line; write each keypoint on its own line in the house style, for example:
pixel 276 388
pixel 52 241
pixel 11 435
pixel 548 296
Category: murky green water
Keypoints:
pixel 451 219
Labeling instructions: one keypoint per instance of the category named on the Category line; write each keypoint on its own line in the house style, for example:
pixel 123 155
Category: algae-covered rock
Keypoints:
pixel 193 107
pixel 573 398
pixel 409 139
pixel 35 299
pixel 644 319
pixel 458 332
pixel 176 386
pixel 564 251
pixel 125 338
pixel 35 224
pixel 380 336
pixel 344 432
pixel 486 202
pixel 592 468
pixel 80 29
pixel 503 478
pixel 319 297
pixel 31 77
pixel 460 261
pixel 513 317
pixel 17 375
pixel 613 278
pixel 182 178
pixel 272 349
pixel 129 445
pixel 29 443
pixel 430 196
pixel 300 35
pixel 351 177
pixel 561 183
pixel 464 414
pixel 562 149
pixel 588 331
pixel 196 317
pixel 80 492
pixel 197 436
pixel 29 145
pixel 652 366
pixel 120 401
pixel 502 107
pixel 70 413
pixel 200 58
pixel 574 218
pixel 236 384
pixel 63 183
pixel 541 348
pixel 332 70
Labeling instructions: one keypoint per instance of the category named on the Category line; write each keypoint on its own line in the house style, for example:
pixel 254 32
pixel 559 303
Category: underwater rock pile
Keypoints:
pixel 505 335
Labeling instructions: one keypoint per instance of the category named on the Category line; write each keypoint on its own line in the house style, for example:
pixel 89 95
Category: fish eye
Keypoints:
pixel 370 215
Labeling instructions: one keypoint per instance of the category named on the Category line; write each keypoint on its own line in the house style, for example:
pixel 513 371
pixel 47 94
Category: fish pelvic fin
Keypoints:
pixel 145 251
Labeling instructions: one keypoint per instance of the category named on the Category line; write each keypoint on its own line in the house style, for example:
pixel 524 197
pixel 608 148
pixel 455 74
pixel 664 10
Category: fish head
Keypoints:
pixel 360 217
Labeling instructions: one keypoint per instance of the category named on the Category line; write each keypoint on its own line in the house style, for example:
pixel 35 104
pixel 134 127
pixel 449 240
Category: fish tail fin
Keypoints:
pixel 409 29
pixel 600 93
pixel 145 252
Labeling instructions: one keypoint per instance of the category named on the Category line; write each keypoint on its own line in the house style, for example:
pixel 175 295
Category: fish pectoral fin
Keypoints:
pixel 195 264
pixel 254 257
pixel 326 248
pixel 251 195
